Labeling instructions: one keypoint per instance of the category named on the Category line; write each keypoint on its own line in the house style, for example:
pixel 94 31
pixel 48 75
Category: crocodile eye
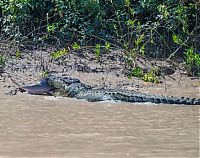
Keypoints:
pixel 74 80
pixel 70 80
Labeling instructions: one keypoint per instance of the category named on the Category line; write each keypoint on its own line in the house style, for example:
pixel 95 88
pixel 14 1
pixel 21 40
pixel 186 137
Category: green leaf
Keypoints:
pixel 177 39
pixel 107 46
pixel 44 73
pixel 58 54
pixel 142 49
pixel 139 40
pixel 50 27
pixel 137 72
pixel 97 51
pixel 76 46
pixel 18 54
pixel 131 23
pixel 2 60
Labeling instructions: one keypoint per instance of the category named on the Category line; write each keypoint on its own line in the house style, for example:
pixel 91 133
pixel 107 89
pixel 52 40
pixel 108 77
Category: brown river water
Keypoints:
pixel 44 126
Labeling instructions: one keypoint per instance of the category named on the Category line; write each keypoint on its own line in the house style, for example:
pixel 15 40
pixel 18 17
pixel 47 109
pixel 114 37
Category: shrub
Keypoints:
pixel 134 26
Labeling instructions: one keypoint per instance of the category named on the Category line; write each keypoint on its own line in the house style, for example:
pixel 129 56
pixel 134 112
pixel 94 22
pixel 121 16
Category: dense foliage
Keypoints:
pixel 153 28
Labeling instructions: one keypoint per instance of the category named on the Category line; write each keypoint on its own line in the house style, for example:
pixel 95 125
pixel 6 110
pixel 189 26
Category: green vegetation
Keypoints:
pixel 107 47
pixel 192 62
pixel 44 73
pixel 76 46
pixel 147 77
pixel 18 54
pixel 151 77
pixel 97 51
pixel 153 28
pixel 2 62
pixel 137 72
pixel 58 54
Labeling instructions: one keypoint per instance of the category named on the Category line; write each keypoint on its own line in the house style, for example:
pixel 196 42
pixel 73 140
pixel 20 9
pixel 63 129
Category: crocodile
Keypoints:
pixel 74 88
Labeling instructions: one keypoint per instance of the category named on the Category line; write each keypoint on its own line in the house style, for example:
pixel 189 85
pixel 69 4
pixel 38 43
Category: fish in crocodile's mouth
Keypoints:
pixel 41 88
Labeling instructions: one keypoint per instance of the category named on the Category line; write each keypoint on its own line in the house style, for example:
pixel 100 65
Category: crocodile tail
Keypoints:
pixel 143 97
pixel 175 100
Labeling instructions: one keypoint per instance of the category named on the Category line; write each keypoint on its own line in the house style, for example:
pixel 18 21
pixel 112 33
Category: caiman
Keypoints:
pixel 74 88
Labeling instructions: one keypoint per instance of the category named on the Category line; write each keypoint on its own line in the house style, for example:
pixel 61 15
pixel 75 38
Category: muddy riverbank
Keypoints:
pixel 30 66
pixel 47 126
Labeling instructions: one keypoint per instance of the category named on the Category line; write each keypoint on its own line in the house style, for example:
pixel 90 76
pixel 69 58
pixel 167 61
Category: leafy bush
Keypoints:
pixel 137 72
pixel 192 62
pixel 149 76
pixel 138 27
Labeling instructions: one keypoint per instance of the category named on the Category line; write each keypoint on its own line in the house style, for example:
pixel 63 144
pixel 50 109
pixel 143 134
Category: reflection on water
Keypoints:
pixel 61 127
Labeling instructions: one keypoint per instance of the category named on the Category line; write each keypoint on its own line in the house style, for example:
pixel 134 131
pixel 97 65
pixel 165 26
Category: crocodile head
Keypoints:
pixel 61 82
